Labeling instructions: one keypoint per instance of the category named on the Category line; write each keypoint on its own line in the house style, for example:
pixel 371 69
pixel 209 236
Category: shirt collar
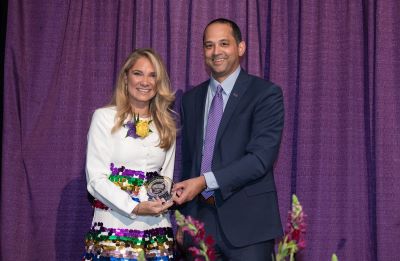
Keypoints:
pixel 227 84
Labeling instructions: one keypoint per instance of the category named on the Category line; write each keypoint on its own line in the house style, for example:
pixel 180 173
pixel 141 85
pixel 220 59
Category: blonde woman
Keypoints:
pixel 130 142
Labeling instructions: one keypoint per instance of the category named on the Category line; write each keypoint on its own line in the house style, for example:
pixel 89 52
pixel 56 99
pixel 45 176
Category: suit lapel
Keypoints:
pixel 241 85
pixel 199 114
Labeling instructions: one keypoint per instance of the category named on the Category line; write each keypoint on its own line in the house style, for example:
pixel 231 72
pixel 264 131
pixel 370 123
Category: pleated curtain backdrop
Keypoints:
pixel 337 62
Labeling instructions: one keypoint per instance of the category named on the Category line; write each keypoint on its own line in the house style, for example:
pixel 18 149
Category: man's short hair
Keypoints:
pixel 235 28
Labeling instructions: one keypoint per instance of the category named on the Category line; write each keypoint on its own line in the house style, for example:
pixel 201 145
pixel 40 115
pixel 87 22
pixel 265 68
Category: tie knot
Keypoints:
pixel 219 89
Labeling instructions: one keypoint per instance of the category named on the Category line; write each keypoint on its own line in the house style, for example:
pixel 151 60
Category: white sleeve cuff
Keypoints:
pixel 211 182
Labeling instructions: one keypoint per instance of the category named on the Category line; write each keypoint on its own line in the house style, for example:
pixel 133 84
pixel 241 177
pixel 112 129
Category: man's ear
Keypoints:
pixel 242 48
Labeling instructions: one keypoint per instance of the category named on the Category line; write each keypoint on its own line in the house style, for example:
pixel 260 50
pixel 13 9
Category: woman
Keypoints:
pixel 130 142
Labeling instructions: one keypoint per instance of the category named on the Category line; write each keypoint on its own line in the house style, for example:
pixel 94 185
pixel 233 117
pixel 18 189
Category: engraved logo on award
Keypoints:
pixel 159 187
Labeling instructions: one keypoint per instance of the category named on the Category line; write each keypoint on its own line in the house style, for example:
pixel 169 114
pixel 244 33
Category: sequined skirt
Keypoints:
pixel 128 244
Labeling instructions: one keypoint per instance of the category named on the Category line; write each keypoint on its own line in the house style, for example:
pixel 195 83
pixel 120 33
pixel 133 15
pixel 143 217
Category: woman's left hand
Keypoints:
pixel 155 207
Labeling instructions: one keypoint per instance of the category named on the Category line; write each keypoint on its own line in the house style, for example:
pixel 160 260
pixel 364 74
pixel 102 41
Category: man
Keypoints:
pixel 229 150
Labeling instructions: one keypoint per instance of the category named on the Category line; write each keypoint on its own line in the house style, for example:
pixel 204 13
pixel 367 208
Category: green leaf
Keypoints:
pixel 295 199
pixel 334 257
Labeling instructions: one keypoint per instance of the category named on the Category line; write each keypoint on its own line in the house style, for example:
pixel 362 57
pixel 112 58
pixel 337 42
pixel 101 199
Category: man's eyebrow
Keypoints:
pixel 220 40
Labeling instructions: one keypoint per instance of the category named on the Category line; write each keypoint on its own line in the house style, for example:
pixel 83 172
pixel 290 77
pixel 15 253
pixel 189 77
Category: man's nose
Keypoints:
pixel 216 50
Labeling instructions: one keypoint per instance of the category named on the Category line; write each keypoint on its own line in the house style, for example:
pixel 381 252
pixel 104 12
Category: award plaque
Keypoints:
pixel 159 187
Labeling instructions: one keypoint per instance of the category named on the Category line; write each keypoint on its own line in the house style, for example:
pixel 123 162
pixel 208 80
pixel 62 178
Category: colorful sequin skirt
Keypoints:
pixel 123 244
pixel 128 244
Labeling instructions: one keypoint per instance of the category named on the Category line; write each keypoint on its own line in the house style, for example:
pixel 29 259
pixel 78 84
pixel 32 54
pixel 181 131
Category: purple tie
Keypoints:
pixel 214 118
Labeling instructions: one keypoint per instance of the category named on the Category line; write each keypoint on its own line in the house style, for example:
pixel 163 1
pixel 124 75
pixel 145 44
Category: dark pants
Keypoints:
pixel 262 251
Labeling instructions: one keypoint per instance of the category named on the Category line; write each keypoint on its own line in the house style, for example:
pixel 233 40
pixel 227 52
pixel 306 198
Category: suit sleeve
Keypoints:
pixel 262 149
pixel 98 158
pixel 186 155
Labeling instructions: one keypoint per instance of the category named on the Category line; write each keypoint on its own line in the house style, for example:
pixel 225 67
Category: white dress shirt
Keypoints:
pixel 227 86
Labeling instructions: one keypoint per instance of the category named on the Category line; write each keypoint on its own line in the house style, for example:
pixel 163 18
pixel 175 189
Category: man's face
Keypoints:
pixel 221 51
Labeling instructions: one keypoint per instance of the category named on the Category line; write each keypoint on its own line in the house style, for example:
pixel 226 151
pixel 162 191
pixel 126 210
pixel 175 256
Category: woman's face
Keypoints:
pixel 141 80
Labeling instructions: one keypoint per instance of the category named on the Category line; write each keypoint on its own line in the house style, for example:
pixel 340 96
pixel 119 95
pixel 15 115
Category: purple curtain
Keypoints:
pixel 337 62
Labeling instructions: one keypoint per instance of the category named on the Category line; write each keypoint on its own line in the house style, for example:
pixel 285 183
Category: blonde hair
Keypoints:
pixel 160 105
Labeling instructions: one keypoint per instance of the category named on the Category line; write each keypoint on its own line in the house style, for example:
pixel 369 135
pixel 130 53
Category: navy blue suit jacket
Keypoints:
pixel 246 148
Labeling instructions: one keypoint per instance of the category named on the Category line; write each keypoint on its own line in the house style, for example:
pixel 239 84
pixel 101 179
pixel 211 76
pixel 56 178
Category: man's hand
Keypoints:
pixel 187 190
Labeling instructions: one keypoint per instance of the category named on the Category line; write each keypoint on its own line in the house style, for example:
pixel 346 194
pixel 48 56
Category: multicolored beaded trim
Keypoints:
pixel 154 244
pixel 102 258
pixel 128 180
pixel 132 173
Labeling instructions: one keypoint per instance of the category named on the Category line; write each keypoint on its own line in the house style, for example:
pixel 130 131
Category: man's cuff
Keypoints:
pixel 210 181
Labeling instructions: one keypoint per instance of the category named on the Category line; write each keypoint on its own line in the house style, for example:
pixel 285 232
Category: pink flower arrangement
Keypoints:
pixel 292 242
pixel 294 239
pixel 204 245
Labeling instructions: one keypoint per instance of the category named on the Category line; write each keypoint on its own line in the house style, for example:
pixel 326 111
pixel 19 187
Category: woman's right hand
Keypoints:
pixel 152 208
